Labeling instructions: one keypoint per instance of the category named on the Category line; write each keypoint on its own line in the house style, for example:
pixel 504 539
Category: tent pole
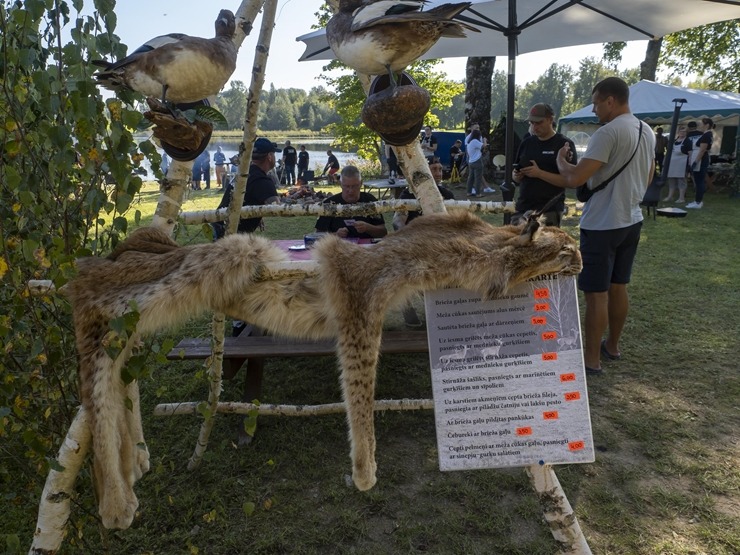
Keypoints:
pixel 671 139
pixel 512 33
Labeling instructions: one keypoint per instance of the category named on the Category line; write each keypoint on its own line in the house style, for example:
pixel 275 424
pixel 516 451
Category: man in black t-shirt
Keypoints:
pixel 332 166
pixel 302 163
pixel 359 227
pixel 260 187
pixel 290 157
pixel 428 143
pixel 535 166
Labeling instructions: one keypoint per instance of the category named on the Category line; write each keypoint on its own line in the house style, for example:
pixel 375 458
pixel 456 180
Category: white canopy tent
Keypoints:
pixel 653 103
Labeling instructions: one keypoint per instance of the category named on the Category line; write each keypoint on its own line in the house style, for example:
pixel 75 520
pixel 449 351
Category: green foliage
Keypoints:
pixel 711 51
pixel 66 184
pixel 554 85
pixel 348 98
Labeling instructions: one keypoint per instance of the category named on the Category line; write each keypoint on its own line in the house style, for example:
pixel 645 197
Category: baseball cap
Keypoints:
pixel 691 125
pixel 540 111
pixel 264 146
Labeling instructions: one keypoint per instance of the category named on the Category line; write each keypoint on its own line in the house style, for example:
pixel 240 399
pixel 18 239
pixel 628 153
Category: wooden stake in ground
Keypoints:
pixel 215 370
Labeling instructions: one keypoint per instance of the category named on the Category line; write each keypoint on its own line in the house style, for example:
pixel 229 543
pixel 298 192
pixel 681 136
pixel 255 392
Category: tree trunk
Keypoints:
pixel 649 66
pixel 478 81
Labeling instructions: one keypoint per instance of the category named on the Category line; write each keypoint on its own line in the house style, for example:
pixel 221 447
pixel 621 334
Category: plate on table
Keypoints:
pixel 297 248
pixel 671 212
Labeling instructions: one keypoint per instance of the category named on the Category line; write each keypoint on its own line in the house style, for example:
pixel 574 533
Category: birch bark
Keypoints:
pixel 215 370
pixel 59 487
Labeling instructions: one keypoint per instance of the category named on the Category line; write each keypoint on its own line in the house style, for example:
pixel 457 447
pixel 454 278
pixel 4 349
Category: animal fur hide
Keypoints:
pixel 347 299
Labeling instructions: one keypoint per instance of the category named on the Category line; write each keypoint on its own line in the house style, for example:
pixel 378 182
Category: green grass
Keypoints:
pixel 665 420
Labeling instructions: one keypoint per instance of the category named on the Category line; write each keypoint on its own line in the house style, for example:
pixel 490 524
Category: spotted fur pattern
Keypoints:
pixel 347 299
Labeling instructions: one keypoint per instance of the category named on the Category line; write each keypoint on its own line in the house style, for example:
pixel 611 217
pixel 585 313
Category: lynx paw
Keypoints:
pixel 117 509
pixel 364 476
pixel 142 460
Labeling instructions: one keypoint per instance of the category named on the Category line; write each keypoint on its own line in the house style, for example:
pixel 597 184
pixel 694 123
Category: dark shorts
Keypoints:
pixel 607 257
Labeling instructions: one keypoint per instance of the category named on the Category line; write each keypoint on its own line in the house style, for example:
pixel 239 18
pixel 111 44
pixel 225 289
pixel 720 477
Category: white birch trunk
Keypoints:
pixel 215 386
pixel 215 371
pixel 416 171
pixel 59 488
pixel 557 510
pixel 171 194
pixel 174 409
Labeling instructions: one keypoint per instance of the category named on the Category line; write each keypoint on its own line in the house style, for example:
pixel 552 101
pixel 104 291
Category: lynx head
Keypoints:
pixel 546 250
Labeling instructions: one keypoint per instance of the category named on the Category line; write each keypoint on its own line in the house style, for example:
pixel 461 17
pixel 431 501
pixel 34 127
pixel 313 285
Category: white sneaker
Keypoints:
pixel 695 205
pixel 489 190
pixel 472 193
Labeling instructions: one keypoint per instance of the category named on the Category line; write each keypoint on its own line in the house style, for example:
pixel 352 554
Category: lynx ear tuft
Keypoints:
pixel 532 225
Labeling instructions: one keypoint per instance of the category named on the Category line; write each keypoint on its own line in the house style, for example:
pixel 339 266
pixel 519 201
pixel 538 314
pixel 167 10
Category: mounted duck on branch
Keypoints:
pixel 181 70
pixel 382 37
pixel 378 36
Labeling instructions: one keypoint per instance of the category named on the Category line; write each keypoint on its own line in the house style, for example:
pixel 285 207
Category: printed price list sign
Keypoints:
pixel 508 377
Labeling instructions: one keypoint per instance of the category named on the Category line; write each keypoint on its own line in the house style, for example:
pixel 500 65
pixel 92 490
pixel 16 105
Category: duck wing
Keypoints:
pixel 374 12
pixel 403 12
pixel 148 46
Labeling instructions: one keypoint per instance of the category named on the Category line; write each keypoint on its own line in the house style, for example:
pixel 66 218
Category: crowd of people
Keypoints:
pixel 618 165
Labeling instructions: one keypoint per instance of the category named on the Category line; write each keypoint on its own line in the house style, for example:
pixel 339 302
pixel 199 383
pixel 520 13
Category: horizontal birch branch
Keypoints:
pixel 339 210
pixel 174 409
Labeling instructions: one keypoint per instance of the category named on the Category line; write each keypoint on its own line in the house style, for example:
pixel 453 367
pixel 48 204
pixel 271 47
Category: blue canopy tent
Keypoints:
pixel 653 103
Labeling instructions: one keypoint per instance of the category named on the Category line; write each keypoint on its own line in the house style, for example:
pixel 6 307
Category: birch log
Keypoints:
pixel 340 210
pixel 557 510
pixel 59 488
pixel 174 409
pixel 215 369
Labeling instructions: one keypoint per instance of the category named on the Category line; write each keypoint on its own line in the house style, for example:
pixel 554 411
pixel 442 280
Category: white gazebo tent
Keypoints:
pixel 653 103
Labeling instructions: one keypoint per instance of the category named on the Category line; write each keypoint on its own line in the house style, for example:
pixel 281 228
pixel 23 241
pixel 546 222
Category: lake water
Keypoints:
pixel 316 149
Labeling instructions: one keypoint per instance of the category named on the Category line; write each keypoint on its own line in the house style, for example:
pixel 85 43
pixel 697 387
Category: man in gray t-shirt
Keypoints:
pixel 612 218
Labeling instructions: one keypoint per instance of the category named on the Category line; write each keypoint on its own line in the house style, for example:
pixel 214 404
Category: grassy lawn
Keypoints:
pixel 665 418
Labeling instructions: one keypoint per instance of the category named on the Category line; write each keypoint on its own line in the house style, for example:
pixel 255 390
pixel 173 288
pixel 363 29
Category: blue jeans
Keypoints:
pixel 699 184
pixel 290 174
pixel 475 176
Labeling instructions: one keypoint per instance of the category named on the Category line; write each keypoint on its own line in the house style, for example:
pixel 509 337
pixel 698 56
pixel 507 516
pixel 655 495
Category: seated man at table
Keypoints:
pixel 356 227
pixel 401 218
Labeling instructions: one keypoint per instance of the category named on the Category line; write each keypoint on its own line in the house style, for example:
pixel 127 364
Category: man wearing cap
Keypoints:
pixel 260 186
pixel 622 154
pixel 536 167
pixel 354 227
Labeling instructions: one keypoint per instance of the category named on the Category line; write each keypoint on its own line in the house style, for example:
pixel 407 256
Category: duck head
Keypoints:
pixel 225 24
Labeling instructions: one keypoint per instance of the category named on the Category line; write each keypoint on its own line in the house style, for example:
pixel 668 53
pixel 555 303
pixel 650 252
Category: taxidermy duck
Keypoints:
pixel 378 36
pixel 180 68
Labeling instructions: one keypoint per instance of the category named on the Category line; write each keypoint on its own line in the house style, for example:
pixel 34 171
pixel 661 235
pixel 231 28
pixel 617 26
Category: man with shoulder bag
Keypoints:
pixel 617 167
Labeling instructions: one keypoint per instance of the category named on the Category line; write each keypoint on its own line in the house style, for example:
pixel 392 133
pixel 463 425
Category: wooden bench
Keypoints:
pixel 253 348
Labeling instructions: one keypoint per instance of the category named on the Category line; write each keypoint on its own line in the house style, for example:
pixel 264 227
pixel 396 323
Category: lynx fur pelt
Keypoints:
pixel 347 299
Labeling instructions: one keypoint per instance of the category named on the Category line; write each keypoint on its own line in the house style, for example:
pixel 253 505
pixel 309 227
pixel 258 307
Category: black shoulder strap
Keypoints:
pixel 603 184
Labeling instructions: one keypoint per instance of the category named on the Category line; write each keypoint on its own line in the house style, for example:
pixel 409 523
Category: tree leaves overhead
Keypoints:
pixel 711 51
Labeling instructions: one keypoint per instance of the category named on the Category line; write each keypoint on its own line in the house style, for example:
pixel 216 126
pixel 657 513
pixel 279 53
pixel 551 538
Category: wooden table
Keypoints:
pixel 381 189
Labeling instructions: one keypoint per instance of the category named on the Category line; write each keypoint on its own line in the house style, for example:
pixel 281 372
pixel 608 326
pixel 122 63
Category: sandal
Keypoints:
pixel 606 353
